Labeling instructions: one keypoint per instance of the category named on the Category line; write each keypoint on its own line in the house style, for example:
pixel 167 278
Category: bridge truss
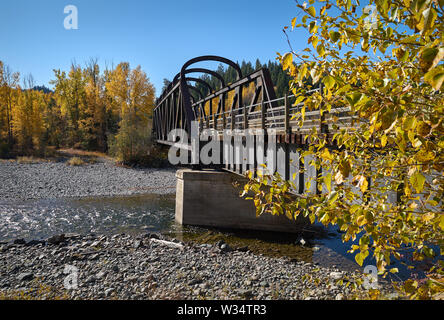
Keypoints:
pixel 228 107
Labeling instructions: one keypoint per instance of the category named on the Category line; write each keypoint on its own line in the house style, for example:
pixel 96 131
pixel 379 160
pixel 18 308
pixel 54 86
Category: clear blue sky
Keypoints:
pixel 158 35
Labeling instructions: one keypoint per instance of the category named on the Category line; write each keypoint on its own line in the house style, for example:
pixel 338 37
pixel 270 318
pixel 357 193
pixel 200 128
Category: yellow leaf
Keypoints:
pixel 361 220
pixel 287 60
pixel 329 82
pixel 383 140
pixel 303 113
pixel 360 257
pixel 428 216
pixel 424 156
pixel 327 181
pixel 423 129
pixel 293 22
pixel 413 205
pixel 362 182
pixel 326 155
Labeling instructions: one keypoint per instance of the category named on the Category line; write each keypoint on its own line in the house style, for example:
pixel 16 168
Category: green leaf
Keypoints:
pixel 321 50
pixel 334 36
pixel 435 77
pixel 354 98
pixel 329 82
pixel 430 57
pixel 417 180
pixel 312 11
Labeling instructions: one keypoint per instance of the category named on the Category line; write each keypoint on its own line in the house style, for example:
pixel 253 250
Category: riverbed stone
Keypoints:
pixel 57 239
pixel 25 276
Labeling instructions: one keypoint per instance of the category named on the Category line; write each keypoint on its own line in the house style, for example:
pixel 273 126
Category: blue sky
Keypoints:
pixel 158 35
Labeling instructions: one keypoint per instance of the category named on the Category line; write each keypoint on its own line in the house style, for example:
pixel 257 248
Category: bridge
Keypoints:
pixel 272 122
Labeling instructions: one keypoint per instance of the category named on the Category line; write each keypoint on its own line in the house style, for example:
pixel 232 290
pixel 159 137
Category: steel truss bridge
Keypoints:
pixel 228 107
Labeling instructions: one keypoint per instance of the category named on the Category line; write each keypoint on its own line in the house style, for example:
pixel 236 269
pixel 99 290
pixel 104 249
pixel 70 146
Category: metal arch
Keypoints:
pixel 177 107
pixel 202 70
pixel 190 115
pixel 206 84
pixel 212 58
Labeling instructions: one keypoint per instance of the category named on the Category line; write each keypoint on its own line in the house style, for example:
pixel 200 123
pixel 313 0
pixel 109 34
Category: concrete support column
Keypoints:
pixel 208 198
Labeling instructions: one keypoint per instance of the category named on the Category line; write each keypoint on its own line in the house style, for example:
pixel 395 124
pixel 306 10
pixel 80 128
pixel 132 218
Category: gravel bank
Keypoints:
pixel 137 267
pixel 126 267
pixel 49 180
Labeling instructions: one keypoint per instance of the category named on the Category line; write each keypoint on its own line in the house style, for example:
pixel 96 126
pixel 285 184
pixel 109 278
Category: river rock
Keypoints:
pixel 336 275
pixel 57 239
pixel 19 241
pixel 25 276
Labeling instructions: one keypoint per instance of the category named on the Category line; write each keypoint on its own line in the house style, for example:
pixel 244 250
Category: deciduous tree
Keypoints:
pixel 383 65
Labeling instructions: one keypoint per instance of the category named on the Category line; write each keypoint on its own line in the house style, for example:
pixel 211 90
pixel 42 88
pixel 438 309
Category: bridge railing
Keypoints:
pixel 282 117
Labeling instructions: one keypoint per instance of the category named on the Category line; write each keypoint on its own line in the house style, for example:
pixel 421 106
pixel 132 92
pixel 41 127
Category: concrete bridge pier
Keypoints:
pixel 208 198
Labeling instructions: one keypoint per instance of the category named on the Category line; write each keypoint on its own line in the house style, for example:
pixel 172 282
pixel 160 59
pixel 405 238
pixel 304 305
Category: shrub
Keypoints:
pixel 75 161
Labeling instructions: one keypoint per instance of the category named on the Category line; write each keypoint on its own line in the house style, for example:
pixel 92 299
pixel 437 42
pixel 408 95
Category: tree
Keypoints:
pixel 93 122
pixel 166 83
pixel 382 63
pixel 8 83
pixel 133 95
pixel 70 93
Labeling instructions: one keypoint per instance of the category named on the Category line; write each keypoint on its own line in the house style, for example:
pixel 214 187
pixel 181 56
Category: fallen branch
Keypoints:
pixel 168 243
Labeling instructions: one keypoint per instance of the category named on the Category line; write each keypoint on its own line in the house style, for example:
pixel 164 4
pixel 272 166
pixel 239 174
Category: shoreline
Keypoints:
pixel 151 266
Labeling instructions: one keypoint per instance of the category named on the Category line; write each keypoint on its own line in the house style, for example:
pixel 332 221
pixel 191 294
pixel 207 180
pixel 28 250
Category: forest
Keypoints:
pixel 90 109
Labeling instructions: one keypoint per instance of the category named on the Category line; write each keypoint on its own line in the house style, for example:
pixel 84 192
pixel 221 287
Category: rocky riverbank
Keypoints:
pixel 149 267
pixel 143 266
pixel 50 180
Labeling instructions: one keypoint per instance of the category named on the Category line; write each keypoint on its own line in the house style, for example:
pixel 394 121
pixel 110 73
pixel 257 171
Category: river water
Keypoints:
pixel 40 219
